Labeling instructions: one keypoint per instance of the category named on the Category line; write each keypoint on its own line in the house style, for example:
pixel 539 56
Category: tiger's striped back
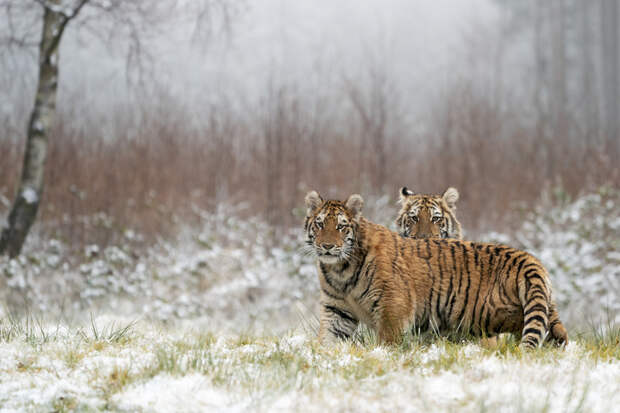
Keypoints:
pixel 428 216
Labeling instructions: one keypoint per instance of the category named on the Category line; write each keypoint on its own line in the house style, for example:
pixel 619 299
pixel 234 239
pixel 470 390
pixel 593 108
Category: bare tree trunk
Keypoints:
pixel 590 102
pixel 295 135
pixel 26 205
pixel 379 107
pixel 274 137
pixel 539 63
pixel 372 111
pixel 609 27
pixel 558 84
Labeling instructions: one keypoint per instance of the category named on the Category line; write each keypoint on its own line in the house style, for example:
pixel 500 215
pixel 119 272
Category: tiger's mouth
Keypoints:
pixel 329 254
pixel 329 257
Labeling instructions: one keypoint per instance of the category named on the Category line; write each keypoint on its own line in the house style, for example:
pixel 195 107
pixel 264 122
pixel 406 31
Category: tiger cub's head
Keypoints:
pixel 331 227
pixel 428 216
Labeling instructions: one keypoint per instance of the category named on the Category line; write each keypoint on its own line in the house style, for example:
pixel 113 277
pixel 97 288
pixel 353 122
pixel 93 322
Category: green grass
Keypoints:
pixel 261 367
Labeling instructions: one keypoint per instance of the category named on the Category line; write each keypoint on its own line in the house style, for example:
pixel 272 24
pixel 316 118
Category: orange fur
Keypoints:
pixel 370 274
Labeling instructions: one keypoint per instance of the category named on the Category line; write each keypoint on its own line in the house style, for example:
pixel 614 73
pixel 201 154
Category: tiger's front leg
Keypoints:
pixel 337 323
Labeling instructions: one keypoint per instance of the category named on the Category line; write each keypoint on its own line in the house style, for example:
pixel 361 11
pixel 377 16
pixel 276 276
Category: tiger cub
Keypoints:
pixel 370 274
pixel 428 216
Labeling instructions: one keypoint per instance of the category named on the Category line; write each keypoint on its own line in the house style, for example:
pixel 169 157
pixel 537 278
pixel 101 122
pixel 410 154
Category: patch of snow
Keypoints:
pixel 30 195
pixel 191 393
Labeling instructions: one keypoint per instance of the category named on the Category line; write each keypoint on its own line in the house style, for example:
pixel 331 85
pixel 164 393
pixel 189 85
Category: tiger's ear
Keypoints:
pixel 404 193
pixel 451 196
pixel 355 204
pixel 313 201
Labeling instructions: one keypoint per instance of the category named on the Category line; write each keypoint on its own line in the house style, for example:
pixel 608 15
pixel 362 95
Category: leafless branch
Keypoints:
pixel 67 12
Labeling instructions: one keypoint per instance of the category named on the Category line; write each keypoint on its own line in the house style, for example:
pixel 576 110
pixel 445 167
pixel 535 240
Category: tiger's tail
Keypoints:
pixel 535 296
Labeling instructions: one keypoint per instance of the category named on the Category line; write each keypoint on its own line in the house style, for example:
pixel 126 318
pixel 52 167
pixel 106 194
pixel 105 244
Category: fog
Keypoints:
pixel 310 46
pixel 260 101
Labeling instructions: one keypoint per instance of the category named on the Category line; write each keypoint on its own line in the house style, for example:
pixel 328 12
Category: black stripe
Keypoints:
pixel 449 294
pixel 487 321
pixel 532 330
pixel 527 272
pixel 429 300
pixel 521 265
pixel 514 260
pixel 536 307
pixel 338 333
pixel 394 266
pixel 460 272
pixel 371 278
pixel 532 340
pixel 531 264
pixel 491 302
pixel 535 317
pixel 437 304
pixel 536 288
pixel 505 258
pixel 374 305
pixel 476 257
pixel 334 284
pixel 535 274
pixel 480 279
pixel 330 295
pixel 491 258
pixel 341 313
pixel 352 281
pixel 503 297
pixel 466 301
pixel 536 299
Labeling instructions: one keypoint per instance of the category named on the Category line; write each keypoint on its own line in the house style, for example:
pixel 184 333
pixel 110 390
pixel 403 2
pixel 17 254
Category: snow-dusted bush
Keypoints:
pixel 229 272
pixel 242 274
pixel 579 243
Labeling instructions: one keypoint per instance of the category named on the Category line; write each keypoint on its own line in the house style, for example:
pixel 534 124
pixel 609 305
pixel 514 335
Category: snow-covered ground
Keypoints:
pixel 119 366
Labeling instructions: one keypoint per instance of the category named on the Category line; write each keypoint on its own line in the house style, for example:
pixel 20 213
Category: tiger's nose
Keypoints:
pixel 327 246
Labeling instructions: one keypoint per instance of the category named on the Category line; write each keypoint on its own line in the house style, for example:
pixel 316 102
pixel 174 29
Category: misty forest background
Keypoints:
pixel 169 118
pixel 164 271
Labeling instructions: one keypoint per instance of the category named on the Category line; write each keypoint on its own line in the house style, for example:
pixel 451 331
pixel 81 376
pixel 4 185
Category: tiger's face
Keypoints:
pixel 331 227
pixel 428 216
